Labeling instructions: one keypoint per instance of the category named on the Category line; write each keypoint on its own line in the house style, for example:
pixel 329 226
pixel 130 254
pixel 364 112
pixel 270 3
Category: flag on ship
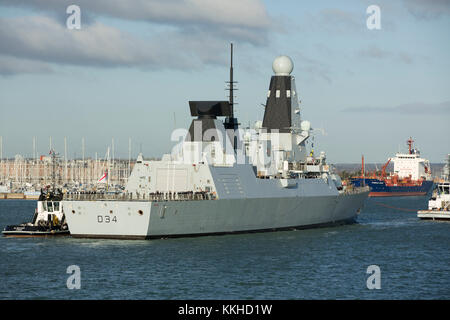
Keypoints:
pixel 103 178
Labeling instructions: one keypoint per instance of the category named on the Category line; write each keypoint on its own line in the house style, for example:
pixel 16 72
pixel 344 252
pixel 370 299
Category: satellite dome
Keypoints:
pixel 305 125
pixel 282 66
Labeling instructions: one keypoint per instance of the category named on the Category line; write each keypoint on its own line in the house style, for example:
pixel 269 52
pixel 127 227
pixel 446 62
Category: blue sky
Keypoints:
pixel 129 72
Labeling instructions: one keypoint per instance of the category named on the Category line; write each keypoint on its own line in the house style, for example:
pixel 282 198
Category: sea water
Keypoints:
pixel 411 259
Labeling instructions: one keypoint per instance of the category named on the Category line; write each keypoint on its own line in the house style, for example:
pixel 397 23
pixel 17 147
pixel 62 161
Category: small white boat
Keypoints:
pixel 439 204
pixel 4 188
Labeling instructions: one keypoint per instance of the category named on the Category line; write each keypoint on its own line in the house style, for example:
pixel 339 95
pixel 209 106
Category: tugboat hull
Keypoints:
pixel 443 215
pixel 33 231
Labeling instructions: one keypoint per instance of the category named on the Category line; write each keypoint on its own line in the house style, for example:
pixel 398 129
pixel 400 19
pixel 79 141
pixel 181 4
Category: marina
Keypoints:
pixel 24 177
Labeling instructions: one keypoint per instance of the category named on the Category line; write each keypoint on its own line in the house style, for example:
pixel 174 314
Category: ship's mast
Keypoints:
pixel 410 142
pixel 446 170
pixel 231 122
pixel 53 157
pixel 363 173
pixel 1 159
pixel 231 82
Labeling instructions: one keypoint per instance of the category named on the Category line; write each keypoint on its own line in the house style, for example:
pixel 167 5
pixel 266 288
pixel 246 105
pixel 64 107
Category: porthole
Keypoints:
pixel 140 212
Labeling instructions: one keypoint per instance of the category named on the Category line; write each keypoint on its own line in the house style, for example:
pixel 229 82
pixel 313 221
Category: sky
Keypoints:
pixel 132 67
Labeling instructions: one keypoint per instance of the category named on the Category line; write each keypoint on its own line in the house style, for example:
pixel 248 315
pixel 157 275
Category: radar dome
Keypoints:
pixel 282 66
pixel 305 125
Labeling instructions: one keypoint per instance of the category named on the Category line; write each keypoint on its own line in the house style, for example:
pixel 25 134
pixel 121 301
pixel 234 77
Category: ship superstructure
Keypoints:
pixel 410 165
pixel 222 178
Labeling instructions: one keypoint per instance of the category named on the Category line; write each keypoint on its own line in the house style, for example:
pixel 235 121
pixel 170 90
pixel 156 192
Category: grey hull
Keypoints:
pixel 146 220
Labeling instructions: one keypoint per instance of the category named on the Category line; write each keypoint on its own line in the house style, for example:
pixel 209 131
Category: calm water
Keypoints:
pixel 328 263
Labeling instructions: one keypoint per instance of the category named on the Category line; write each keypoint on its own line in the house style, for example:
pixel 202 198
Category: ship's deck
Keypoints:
pixel 169 196
pixel 354 190
pixel 153 196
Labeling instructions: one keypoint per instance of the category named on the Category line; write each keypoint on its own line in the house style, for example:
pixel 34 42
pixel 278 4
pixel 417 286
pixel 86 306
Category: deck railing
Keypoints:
pixel 355 190
pixel 153 196
pixel 165 196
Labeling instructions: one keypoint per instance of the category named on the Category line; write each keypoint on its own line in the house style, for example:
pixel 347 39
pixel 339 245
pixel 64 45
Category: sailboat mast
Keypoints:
pixel 4 173
pixel 53 169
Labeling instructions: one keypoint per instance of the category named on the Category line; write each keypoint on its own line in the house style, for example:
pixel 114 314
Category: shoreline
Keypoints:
pixel 17 196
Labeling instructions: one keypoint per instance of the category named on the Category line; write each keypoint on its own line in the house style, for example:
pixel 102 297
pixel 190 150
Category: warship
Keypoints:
pixel 223 179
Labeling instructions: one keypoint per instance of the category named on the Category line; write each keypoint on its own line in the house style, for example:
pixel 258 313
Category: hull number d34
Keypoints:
pixel 106 219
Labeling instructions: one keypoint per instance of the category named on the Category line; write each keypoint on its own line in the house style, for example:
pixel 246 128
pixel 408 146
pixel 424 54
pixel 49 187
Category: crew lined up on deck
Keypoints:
pixel 152 196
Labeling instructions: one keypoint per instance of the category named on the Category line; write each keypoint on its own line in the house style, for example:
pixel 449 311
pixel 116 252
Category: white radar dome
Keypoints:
pixel 305 125
pixel 282 66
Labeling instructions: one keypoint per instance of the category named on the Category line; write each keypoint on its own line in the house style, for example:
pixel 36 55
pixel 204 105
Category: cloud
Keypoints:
pixel 373 52
pixel 185 34
pixel 43 39
pixel 313 67
pixel 245 20
pixel 11 65
pixel 340 20
pixel 416 108
pixel 233 12
pixel 428 10
pixel 331 20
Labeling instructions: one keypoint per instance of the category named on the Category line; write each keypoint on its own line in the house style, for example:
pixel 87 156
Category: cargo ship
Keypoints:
pixel 411 176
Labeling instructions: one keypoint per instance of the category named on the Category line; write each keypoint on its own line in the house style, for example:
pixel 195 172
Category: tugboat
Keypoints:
pixel 48 218
pixel 439 204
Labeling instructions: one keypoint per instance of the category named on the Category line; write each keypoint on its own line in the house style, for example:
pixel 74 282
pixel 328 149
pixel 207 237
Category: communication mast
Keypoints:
pixel 231 122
